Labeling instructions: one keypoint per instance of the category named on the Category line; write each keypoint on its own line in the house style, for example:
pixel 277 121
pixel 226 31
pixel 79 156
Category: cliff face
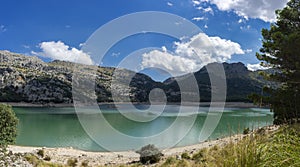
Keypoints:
pixel 29 79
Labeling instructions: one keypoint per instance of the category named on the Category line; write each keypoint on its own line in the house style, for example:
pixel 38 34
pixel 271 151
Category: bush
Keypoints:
pixel 8 125
pixel 246 131
pixel 85 163
pixel 72 162
pixel 47 158
pixel 169 161
pixel 185 156
pixel 149 154
pixel 41 153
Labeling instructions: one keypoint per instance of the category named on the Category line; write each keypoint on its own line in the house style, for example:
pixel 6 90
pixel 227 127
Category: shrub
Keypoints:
pixel 149 154
pixel 246 131
pixel 185 156
pixel 85 163
pixel 261 131
pixel 8 125
pixel 169 161
pixel 47 158
pixel 72 162
pixel 199 157
pixel 41 153
pixel 182 163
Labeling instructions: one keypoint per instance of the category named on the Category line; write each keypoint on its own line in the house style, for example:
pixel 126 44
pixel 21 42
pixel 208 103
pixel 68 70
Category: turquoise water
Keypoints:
pixel 60 127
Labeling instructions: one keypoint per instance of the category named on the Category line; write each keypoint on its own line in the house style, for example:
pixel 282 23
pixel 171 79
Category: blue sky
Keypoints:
pixel 41 28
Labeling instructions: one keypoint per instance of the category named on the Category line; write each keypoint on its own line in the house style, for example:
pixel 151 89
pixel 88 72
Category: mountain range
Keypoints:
pixel 29 79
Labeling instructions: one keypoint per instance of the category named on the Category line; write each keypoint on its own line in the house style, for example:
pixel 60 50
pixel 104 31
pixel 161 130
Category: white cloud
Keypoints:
pixel 196 2
pixel 255 67
pixel 2 28
pixel 205 26
pixel 192 55
pixel 81 45
pixel 169 4
pixel 164 49
pixel 60 51
pixel 247 27
pixel 199 18
pixel 248 50
pixel 260 9
pixel 115 54
pixel 206 10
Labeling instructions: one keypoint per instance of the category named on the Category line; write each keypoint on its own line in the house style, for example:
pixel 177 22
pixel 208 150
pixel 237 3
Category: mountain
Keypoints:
pixel 239 80
pixel 29 79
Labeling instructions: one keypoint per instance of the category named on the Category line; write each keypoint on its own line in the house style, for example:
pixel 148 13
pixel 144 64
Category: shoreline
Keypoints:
pixel 62 154
pixel 201 104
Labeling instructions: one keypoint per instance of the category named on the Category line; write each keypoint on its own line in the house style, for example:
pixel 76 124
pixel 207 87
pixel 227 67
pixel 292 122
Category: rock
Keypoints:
pixel 29 79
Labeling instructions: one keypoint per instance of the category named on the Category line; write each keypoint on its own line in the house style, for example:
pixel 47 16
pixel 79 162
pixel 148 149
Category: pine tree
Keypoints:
pixel 281 52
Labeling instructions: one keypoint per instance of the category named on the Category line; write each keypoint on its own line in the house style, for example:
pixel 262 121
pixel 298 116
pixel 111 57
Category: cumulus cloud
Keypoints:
pixel 260 9
pixel 60 51
pixel 192 55
pixel 255 67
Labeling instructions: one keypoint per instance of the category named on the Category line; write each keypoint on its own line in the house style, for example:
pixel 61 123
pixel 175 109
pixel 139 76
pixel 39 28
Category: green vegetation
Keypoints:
pixel 85 163
pixel 41 153
pixel 185 156
pixel 263 147
pixel 246 131
pixel 281 52
pixel 149 154
pixel 8 125
pixel 36 162
pixel 278 148
pixel 72 162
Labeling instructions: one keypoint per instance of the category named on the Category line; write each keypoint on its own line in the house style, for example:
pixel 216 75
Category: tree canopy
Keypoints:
pixel 281 52
pixel 8 125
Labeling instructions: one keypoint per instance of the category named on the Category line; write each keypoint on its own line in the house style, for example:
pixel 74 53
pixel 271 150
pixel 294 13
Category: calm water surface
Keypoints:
pixel 60 127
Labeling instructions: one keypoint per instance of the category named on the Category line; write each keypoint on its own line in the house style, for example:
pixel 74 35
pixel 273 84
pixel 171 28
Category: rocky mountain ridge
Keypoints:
pixel 29 79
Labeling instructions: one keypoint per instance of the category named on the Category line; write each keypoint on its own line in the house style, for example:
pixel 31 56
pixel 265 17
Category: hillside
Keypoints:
pixel 240 83
pixel 29 79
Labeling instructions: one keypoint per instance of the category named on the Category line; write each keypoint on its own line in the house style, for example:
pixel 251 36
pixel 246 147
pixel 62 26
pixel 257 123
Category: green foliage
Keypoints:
pixel 182 163
pixel 199 156
pixel 47 158
pixel 149 154
pixel 281 52
pixel 41 153
pixel 36 162
pixel 72 162
pixel 169 161
pixel 185 156
pixel 282 148
pixel 265 148
pixel 8 125
pixel 246 131
pixel 85 163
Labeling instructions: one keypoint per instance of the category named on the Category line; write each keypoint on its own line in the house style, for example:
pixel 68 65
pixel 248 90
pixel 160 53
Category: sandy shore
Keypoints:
pixel 61 155
pixel 202 104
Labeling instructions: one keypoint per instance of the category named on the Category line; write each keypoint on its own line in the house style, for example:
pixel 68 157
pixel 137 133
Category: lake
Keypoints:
pixel 60 127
